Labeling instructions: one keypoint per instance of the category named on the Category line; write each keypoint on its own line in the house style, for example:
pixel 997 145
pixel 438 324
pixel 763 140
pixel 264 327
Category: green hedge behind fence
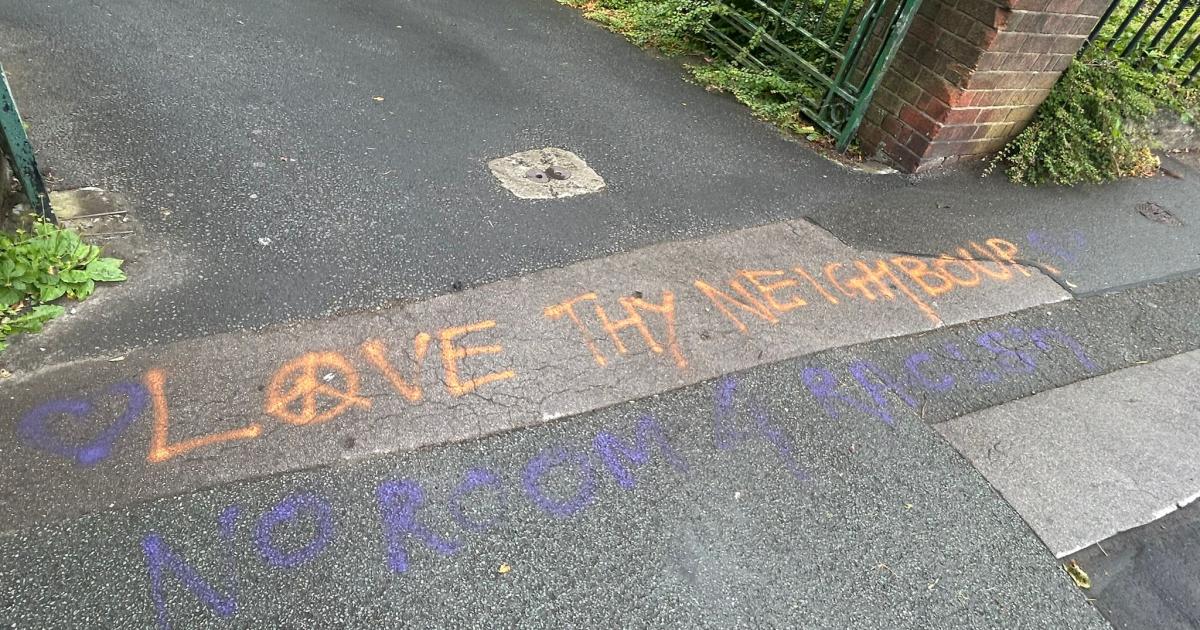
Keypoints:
pixel 1158 35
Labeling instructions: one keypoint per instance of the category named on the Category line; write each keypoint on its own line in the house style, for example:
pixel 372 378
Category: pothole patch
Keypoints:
pixel 548 173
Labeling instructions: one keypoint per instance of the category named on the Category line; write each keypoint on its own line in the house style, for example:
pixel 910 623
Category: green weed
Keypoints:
pixel 769 96
pixel 41 265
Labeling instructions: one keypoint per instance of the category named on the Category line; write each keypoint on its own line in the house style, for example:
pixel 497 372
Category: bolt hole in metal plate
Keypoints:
pixel 537 175
pixel 1158 214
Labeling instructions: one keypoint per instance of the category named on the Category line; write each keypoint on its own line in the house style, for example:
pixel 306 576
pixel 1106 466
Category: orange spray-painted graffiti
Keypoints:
pixel 918 280
pixel 319 386
pixel 375 351
pixel 161 448
pixel 633 307
pixel 299 389
pixel 452 354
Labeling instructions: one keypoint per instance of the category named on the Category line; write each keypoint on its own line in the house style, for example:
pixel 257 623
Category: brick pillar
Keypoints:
pixel 969 75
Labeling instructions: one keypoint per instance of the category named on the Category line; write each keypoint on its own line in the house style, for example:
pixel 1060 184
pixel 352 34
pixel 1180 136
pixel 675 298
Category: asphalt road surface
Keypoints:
pixel 311 177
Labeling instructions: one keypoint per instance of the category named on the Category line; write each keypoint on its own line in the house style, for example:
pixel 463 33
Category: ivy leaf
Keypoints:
pixel 105 270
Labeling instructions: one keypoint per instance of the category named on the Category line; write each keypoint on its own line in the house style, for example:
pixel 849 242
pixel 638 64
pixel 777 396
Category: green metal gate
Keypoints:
pixel 835 51
pixel 15 146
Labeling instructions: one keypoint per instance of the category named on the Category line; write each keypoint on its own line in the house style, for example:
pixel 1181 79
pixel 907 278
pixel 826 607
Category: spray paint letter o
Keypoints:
pixel 290 510
pixel 542 464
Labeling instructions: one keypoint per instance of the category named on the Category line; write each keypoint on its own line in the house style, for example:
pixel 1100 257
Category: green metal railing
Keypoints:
pixel 15 146
pixel 833 51
pixel 1162 34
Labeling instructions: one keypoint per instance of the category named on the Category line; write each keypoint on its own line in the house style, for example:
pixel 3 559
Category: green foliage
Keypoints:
pixel 668 25
pixel 768 95
pixel 44 264
pixel 1081 133
pixel 1088 130
pixel 1165 29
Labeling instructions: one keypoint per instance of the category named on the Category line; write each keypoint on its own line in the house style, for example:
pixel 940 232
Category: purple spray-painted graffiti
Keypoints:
pixel 399 502
pixel 542 464
pixel 290 510
pixel 34 426
pixel 611 448
pixel 726 436
pixel 1010 352
pixel 477 479
pixel 1067 247
pixel 398 505
pixel 160 556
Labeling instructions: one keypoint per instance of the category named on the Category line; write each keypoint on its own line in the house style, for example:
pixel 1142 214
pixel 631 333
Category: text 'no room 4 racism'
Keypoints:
pixel 483 497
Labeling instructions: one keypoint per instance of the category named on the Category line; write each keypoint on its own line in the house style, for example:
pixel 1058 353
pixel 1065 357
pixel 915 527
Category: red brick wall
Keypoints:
pixel 969 75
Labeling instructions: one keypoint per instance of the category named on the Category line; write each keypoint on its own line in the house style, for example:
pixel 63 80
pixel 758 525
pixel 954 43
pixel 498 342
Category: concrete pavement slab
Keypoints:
pixel 161 420
pixel 734 503
pixel 1088 460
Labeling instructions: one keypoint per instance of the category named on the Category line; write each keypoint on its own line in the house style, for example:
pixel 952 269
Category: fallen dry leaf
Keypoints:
pixel 504 568
pixel 1078 575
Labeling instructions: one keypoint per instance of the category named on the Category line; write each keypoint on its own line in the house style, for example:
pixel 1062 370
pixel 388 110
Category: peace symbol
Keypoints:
pixel 295 389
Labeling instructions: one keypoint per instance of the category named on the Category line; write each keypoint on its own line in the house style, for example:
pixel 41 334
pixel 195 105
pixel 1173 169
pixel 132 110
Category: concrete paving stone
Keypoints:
pixel 557 174
pixel 514 353
pixel 1085 461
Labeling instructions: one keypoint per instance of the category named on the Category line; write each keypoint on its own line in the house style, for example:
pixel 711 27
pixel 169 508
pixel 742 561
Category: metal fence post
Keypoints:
pixel 14 144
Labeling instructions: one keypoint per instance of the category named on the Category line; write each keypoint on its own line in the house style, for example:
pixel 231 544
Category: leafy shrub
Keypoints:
pixel 42 265
pixel 1081 133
